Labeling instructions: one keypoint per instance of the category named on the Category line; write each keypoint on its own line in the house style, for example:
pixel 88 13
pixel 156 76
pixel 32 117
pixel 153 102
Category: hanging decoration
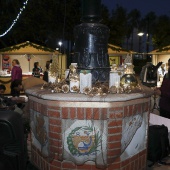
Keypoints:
pixel 29 56
pixel 6 62
pixel 117 48
pixel 27 43
pixel 15 20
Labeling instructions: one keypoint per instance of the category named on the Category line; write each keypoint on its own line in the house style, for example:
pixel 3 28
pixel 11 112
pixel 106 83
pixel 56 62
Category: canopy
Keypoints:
pixel 113 49
pixel 164 50
pixel 28 48
pixel 161 55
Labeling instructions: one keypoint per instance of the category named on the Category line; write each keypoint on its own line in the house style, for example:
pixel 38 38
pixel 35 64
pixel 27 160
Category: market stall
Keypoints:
pixel 117 54
pixel 26 53
pixel 161 55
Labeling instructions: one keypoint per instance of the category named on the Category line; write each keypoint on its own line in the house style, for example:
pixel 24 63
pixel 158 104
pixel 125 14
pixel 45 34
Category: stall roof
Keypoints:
pixel 113 49
pixel 164 50
pixel 28 48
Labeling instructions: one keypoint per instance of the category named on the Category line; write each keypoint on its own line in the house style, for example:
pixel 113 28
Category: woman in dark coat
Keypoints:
pixel 45 76
pixel 36 70
pixel 164 93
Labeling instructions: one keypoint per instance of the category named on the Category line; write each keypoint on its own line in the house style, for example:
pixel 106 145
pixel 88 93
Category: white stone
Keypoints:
pixel 114 79
pixel 51 79
pixel 85 81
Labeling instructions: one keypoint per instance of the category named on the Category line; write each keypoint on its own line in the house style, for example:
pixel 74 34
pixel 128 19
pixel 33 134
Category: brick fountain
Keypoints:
pixel 75 131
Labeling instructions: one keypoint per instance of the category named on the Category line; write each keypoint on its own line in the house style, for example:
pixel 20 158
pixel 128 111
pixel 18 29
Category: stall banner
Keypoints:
pixel 6 63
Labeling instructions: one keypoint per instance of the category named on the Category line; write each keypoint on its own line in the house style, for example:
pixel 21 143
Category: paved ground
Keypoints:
pixel 157 166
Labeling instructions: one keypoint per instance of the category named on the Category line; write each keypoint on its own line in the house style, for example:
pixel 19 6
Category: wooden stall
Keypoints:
pixel 27 53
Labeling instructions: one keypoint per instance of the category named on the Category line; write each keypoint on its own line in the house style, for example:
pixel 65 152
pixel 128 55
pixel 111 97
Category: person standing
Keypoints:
pixel 45 76
pixel 164 92
pixel 16 73
pixel 36 70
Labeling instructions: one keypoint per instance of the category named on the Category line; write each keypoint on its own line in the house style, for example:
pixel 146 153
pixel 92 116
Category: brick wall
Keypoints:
pixel 112 112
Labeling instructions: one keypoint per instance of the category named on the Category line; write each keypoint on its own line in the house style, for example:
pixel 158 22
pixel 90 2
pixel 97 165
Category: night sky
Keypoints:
pixel 160 7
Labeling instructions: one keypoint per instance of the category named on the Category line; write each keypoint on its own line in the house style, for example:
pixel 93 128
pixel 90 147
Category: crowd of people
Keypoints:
pixel 15 101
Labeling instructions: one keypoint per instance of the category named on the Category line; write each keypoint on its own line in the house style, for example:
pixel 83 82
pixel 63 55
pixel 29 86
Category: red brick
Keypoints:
pixel 56 163
pixel 114 138
pixel 80 113
pixel 73 114
pixel 38 107
pixel 128 167
pixel 119 115
pixel 54 121
pixel 54 142
pixel 139 108
pixel 44 110
pixel 114 145
pixel 96 114
pixel 112 159
pixel 126 111
pixel 65 112
pixel 125 162
pixel 133 158
pixel 143 152
pixel 60 150
pixel 94 167
pixel 114 152
pixel 115 123
pixel 114 130
pixel 137 164
pixel 54 168
pixel 135 109
pixel 54 113
pixel 103 115
pixel 115 109
pixel 88 114
pixel 144 159
pixel 114 166
pixel 53 149
pixel 54 135
pixel 55 129
pixel 69 165
pixel 130 110
pixel 140 163
pixel 54 108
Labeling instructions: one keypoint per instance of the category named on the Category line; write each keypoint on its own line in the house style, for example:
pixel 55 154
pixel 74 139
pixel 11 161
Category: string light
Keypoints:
pixel 16 19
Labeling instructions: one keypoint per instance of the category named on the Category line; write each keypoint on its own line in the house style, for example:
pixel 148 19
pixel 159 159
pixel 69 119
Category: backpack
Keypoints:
pixel 158 143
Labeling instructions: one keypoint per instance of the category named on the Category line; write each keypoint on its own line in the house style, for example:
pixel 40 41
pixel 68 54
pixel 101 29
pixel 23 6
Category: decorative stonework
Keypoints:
pixel 66 119
pixel 40 137
pixel 139 140
pixel 85 140
pixel 129 127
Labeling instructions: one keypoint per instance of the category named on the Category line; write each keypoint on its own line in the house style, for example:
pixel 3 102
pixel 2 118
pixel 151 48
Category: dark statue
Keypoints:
pixel 91 39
